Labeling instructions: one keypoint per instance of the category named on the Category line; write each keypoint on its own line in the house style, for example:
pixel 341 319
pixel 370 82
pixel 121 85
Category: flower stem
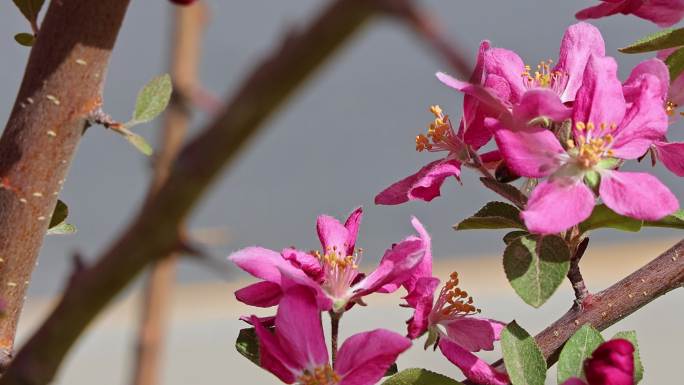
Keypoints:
pixel 334 331
pixel 575 275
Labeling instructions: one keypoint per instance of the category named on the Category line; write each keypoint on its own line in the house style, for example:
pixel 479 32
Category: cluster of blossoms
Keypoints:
pixel 570 127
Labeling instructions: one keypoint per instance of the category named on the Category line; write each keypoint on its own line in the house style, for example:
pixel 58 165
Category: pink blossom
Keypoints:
pixel 297 352
pixel 662 12
pixel 450 322
pixel 333 272
pixel 612 363
pixel 609 126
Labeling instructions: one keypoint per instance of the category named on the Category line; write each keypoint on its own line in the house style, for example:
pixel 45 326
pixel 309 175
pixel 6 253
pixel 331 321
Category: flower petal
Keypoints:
pixel 352 225
pixel 664 13
pixel 574 381
pixel 474 368
pixel 556 205
pixel 421 299
pixel 363 359
pixel 474 333
pixel 530 152
pixel 298 328
pixel 423 185
pixel 508 65
pixel 306 262
pixel 672 156
pixel 612 363
pixel 600 99
pixel 424 268
pixel 655 67
pixel 332 234
pixel 644 122
pixel 272 356
pixel 579 42
pixel 260 294
pixel 636 194
pixel 601 10
pixel 541 102
pixel 490 102
pixel 260 262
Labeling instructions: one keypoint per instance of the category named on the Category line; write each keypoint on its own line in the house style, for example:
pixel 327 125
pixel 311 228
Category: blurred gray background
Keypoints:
pixel 344 137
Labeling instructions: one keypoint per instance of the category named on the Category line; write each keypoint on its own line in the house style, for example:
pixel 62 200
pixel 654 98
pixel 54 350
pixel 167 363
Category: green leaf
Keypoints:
pixel 30 9
pixel 630 335
pixel 603 216
pixel 418 376
pixel 59 214
pixel 513 235
pixel 673 221
pixel 152 100
pixel 25 39
pixel 675 63
pixel 524 361
pixel 494 215
pixel 577 349
pixel 247 344
pixel 140 143
pixel 536 266
pixel 668 38
pixel 62 229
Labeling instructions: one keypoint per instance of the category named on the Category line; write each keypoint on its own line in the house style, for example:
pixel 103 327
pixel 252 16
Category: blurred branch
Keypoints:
pixel 189 24
pixel 153 233
pixel 427 27
pixel 604 309
pixel 62 84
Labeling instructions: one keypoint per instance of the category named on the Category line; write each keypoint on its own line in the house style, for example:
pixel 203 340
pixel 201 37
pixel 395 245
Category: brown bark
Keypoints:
pixel 153 233
pixel 185 46
pixel 61 85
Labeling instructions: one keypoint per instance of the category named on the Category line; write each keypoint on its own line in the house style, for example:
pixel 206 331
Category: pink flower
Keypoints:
pixel 297 352
pixel 612 363
pixel 609 126
pixel 450 322
pixel 332 273
pixel 662 12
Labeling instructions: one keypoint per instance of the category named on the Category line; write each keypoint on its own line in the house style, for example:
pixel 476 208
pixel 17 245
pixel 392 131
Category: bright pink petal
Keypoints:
pixel 260 294
pixel 654 67
pixel 612 363
pixel 363 359
pixel 533 152
pixel 421 299
pixel 508 65
pixel 579 42
pixel 604 9
pixel 424 268
pixel 557 205
pixel 471 128
pixel 267 322
pixel 352 225
pixel 541 102
pixel 299 330
pixel 474 368
pixel 304 261
pixel 273 357
pixel 637 195
pixel 676 94
pixel 332 234
pixel 672 156
pixel 665 13
pixel 600 99
pixel 574 381
pixel 423 185
pixel 474 334
pixel 490 102
pixel 259 262
pixel 644 122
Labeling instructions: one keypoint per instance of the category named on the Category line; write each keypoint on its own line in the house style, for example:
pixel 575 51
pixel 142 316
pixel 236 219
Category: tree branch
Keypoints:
pixel 153 233
pixel 62 83
pixel 604 309
pixel 185 45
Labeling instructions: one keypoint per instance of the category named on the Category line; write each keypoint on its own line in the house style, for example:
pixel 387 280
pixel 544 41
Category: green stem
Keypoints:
pixel 334 332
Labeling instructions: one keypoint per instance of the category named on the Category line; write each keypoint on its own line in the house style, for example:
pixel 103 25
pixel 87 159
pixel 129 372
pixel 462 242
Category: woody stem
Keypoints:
pixel 334 331
pixel 575 275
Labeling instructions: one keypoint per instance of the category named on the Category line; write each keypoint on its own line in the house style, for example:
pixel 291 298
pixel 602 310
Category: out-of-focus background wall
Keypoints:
pixel 344 137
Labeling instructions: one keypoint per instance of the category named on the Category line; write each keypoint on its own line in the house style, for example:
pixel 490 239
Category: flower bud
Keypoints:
pixel 612 363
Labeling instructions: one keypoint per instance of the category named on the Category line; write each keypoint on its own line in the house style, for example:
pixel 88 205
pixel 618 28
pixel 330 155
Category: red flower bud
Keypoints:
pixel 183 2
pixel 612 363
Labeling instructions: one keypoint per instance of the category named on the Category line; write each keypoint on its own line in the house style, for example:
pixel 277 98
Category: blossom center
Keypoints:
pixel 545 77
pixel 339 270
pixel 454 302
pixel 440 134
pixel 591 143
pixel 322 375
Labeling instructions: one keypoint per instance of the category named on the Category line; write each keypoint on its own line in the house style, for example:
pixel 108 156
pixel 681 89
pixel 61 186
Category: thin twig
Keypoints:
pixel 575 274
pixel 62 84
pixel 153 233
pixel 334 333
pixel 185 48
pixel 604 309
